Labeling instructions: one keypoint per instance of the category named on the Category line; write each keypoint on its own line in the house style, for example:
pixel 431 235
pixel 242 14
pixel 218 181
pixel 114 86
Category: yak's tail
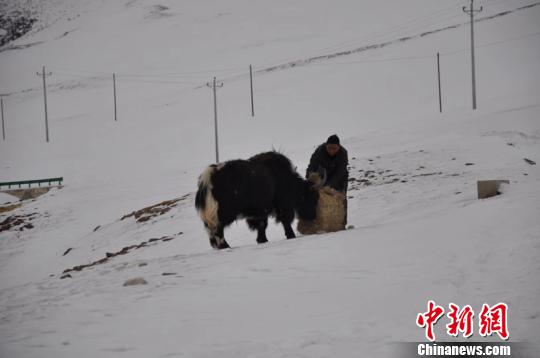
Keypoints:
pixel 205 203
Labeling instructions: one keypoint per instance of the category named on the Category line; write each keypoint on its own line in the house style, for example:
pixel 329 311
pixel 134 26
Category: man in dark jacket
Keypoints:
pixel 333 158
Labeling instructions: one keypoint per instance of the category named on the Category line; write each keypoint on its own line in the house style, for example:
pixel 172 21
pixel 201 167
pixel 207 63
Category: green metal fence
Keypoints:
pixel 20 184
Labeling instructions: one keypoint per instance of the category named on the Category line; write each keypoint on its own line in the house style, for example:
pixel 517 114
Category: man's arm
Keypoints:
pixel 340 173
pixel 313 162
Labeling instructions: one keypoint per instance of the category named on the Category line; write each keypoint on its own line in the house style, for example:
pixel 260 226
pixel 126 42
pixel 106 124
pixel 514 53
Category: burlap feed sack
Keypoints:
pixel 330 214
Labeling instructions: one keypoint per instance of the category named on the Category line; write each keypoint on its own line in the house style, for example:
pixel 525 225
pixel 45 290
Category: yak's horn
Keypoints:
pixel 322 174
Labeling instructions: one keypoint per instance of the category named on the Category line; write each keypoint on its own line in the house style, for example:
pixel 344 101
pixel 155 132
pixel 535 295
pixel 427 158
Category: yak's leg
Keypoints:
pixel 289 233
pixel 213 242
pixel 261 230
pixel 286 218
pixel 259 224
pixel 211 236
pixel 220 239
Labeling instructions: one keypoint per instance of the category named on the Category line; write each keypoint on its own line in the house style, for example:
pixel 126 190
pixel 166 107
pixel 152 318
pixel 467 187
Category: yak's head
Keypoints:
pixel 308 195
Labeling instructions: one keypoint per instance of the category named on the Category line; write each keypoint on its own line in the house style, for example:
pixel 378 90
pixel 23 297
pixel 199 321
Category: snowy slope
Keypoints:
pixel 422 236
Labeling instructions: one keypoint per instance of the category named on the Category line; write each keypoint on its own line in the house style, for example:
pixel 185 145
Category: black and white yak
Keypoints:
pixel 265 184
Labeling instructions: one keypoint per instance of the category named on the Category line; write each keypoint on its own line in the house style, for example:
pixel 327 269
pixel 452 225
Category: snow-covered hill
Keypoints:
pixel 419 231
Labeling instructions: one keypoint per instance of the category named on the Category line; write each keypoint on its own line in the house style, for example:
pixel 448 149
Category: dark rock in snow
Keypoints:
pixel 135 281
pixel 17 222
pixel 14 26
pixel 153 211
pixel 124 251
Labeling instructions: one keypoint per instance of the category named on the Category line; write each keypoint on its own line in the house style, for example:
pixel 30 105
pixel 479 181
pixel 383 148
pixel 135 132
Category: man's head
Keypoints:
pixel 332 145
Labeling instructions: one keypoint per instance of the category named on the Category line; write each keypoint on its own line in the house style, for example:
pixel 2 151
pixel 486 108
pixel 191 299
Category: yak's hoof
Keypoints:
pixel 262 241
pixel 223 245
pixel 220 243
pixel 293 236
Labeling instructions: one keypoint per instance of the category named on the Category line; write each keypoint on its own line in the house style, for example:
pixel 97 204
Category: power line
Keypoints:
pixel 310 60
pixel 169 78
pixel 422 57
pixel 198 74
pixel 130 78
pixel 376 36
pixel 395 59
pixel 16 95
pixel 134 80
pixel 492 43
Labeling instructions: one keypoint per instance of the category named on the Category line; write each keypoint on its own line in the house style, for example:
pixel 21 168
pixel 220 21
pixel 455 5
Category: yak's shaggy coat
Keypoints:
pixel 266 184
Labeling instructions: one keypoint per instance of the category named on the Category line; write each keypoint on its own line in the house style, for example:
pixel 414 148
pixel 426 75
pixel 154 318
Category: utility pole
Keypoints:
pixel 251 82
pixel 44 74
pixel 214 86
pixel 3 126
pixel 439 78
pixel 471 11
pixel 114 93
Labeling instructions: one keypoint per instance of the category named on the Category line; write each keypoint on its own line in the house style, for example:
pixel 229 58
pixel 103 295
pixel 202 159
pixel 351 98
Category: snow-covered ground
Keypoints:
pixel 419 231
